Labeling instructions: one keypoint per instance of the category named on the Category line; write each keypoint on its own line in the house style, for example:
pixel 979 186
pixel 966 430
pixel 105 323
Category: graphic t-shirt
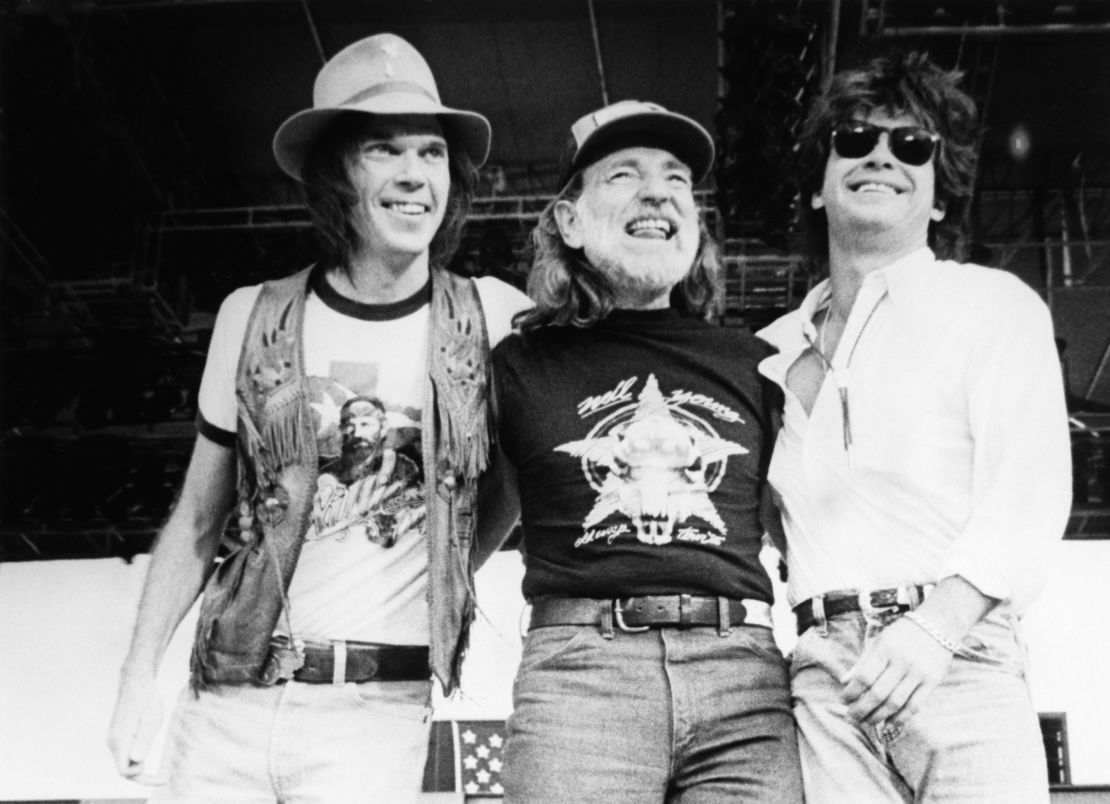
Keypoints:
pixel 362 572
pixel 639 446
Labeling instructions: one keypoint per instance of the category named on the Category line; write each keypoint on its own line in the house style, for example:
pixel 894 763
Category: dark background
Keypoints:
pixel 137 188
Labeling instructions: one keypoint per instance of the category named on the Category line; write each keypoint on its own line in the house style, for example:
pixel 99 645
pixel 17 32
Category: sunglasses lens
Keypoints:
pixel 853 142
pixel 914 146
pixel 911 145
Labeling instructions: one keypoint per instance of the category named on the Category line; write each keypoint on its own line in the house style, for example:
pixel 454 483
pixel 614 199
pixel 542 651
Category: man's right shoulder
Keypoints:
pixel 500 303
pixel 239 303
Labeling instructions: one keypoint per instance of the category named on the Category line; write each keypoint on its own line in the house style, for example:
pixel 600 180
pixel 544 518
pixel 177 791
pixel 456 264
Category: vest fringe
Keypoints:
pixel 283 435
pixel 199 665
pixel 465 450
pixel 463 643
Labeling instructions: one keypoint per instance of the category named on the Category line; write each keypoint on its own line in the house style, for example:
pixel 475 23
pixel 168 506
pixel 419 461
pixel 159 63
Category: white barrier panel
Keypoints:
pixel 65 625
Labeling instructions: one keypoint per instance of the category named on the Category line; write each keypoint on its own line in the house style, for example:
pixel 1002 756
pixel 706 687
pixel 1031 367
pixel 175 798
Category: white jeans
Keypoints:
pixel 976 739
pixel 299 744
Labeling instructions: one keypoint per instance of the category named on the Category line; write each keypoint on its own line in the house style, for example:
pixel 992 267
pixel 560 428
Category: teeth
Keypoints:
pixel 873 186
pixel 407 208
pixel 650 226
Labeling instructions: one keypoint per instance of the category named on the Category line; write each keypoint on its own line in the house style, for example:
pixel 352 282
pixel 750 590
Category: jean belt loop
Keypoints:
pixel 819 615
pixel 339 662
pixel 913 596
pixel 607 607
pixel 724 628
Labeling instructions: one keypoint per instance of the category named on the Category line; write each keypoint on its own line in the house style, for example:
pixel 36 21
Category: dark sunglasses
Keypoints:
pixel 911 145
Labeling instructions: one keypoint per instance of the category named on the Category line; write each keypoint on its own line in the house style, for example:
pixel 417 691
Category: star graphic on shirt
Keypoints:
pixel 470 762
pixel 496 789
pixel 495 764
pixel 495 740
pixel 482 777
pixel 482 751
pixel 469 737
pixel 328 411
pixel 471 788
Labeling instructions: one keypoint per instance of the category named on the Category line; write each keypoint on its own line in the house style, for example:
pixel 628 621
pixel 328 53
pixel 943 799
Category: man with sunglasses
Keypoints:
pixel 923 467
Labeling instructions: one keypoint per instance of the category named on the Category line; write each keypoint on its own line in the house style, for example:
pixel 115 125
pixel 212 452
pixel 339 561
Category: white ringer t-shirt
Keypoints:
pixel 362 573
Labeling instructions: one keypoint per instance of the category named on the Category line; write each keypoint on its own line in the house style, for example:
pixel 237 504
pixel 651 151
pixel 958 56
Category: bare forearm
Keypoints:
pixel 179 567
pixel 183 556
pixel 955 606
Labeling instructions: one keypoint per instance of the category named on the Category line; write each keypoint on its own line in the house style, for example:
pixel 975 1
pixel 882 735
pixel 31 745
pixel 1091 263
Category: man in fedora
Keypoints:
pixel 639 433
pixel 923 465
pixel 318 636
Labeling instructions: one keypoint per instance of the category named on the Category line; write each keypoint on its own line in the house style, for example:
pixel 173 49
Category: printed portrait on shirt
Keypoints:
pixel 653 461
pixel 370 484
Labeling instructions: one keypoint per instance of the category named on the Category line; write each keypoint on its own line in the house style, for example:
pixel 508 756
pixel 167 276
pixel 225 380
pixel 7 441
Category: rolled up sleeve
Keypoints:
pixel 1021 479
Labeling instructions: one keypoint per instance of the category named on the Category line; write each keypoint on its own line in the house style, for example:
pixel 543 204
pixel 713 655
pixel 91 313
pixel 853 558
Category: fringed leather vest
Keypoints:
pixel 278 471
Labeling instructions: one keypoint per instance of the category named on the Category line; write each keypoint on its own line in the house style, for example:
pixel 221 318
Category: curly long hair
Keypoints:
pixel 899 83
pixel 569 291
pixel 331 196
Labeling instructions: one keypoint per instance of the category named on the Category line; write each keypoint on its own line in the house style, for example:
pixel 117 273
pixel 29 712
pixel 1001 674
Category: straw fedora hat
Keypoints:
pixel 382 74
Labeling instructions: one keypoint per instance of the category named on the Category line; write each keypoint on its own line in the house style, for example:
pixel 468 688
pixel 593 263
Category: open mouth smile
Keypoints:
pixel 407 207
pixel 651 228
pixel 872 186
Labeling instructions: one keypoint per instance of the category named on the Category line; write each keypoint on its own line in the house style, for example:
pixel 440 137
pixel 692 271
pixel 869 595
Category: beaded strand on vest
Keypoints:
pixel 278 468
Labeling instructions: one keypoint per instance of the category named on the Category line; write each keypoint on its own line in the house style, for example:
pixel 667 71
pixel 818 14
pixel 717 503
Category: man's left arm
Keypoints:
pixel 1021 496
pixel 498 506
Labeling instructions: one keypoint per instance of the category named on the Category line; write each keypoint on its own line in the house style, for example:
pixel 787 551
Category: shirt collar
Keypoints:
pixel 905 275
pixel 901 277
pixel 795 331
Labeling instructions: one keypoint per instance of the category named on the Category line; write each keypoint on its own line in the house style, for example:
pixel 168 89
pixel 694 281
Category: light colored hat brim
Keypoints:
pixel 295 137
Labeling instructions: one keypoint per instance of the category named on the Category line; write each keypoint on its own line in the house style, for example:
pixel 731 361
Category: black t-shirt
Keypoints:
pixel 641 448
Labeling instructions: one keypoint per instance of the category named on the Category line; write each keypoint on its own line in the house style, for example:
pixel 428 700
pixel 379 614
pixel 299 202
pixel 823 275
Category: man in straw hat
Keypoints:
pixel 323 623
pixel 639 434
pixel 923 466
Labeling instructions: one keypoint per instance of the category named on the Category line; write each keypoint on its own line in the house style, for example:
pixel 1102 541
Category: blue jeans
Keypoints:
pixel 667 715
pixel 976 739
pixel 302 743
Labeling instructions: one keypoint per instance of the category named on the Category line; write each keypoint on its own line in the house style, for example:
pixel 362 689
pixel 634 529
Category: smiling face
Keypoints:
pixel 637 222
pixel 403 180
pixel 877 200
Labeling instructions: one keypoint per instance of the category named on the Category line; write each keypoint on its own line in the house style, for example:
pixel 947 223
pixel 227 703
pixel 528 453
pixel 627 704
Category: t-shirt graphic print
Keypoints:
pixel 653 462
pixel 370 484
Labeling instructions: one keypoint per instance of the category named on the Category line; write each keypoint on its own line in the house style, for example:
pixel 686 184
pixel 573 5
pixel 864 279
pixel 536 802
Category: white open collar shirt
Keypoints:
pixel 960 457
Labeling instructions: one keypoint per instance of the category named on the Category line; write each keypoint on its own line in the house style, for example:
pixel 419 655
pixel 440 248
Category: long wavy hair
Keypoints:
pixel 331 196
pixel 897 84
pixel 569 291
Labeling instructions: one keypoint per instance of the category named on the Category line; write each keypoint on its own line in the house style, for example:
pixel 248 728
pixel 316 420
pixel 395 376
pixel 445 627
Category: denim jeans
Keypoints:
pixel 667 715
pixel 976 739
pixel 298 743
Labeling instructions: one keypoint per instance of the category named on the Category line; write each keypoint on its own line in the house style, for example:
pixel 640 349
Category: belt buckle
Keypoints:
pixel 883 605
pixel 618 618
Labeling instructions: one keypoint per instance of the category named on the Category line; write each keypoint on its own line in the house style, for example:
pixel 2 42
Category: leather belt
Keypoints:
pixel 650 611
pixel 896 600
pixel 340 661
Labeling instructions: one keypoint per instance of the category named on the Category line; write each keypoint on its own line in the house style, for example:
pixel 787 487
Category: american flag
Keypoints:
pixel 466 756
pixel 480 744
